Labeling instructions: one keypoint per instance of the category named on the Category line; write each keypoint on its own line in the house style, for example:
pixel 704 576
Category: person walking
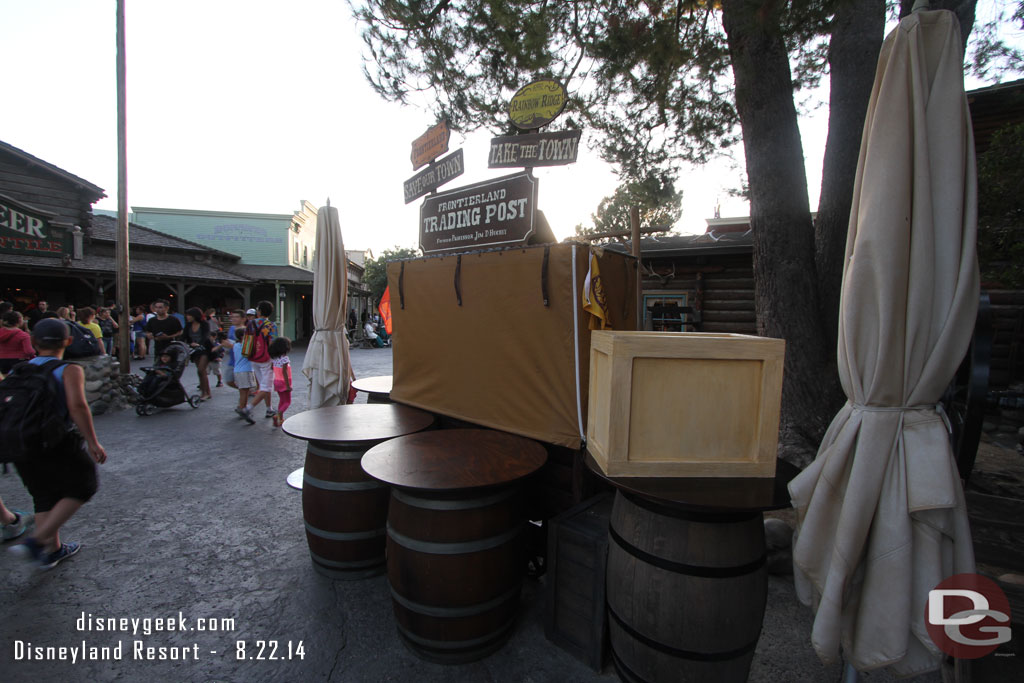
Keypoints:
pixel 36 314
pixel 138 321
pixel 86 319
pixel 108 326
pixel 265 331
pixel 13 523
pixel 15 343
pixel 244 378
pixel 163 328
pixel 279 350
pixel 197 336
pixel 64 480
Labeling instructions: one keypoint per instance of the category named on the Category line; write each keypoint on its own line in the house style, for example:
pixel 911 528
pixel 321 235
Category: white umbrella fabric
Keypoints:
pixel 881 514
pixel 327 363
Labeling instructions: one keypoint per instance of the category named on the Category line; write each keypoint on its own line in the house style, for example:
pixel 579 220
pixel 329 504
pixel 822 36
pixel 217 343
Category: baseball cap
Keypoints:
pixel 251 311
pixel 50 330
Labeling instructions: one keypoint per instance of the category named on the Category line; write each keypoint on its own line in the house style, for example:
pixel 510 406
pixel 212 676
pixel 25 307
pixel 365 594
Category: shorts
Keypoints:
pixel 228 373
pixel 67 473
pixel 245 380
pixel 264 375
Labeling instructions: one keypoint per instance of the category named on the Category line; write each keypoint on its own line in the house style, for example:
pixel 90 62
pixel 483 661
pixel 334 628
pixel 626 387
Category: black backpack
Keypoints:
pixel 83 343
pixel 31 420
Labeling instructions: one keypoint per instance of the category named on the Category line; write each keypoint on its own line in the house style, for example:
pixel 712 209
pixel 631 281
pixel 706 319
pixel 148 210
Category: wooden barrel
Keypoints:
pixel 455 565
pixel 686 592
pixel 344 510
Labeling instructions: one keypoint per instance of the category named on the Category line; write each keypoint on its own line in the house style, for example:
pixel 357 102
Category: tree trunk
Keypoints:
pixel 786 287
pixel 857 34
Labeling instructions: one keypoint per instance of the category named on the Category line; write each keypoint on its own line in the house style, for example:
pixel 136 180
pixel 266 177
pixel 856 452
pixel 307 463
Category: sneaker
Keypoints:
pixel 18 526
pixel 247 415
pixel 30 550
pixel 241 412
pixel 65 551
pixel 270 413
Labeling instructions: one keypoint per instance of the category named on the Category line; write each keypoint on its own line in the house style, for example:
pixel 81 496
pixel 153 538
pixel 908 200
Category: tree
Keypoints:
pixel 376 277
pixel 664 83
pixel 655 196
pixel 1000 209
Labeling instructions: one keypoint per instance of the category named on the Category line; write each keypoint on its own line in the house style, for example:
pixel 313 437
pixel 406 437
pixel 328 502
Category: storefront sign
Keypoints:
pixel 430 145
pixel 27 231
pixel 537 104
pixel 538 149
pixel 433 177
pixel 495 212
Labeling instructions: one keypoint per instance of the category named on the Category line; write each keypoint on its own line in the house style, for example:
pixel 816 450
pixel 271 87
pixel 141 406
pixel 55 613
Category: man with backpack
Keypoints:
pixel 55 462
pixel 256 347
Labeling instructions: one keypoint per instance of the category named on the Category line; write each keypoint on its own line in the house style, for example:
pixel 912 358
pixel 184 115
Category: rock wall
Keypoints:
pixel 101 387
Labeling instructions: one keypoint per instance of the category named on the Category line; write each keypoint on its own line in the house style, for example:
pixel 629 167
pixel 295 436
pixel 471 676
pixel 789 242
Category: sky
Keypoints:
pixel 256 105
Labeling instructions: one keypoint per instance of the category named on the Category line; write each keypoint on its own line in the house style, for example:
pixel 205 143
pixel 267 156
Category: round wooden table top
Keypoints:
pixel 357 422
pixel 710 494
pixel 381 384
pixel 454 459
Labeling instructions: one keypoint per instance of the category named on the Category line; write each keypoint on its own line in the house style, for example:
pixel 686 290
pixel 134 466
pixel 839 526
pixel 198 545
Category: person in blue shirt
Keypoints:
pixel 245 379
pixel 66 479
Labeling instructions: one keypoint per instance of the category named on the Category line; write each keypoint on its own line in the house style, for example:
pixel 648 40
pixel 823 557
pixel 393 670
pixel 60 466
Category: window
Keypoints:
pixel 305 256
pixel 668 312
pixel 295 256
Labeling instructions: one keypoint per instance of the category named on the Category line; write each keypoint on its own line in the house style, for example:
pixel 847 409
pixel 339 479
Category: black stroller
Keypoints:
pixel 161 387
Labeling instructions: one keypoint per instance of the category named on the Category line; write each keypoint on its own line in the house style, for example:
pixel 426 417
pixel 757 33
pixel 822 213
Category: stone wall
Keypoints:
pixel 101 387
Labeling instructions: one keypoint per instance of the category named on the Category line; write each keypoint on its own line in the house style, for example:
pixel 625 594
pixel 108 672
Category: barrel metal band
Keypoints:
pixel 435 548
pixel 687 569
pixel 457 644
pixel 355 564
pixel 354 453
pixel 344 535
pixel 686 515
pixel 678 652
pixel 454 504
pixel 455 612
pixel 341 485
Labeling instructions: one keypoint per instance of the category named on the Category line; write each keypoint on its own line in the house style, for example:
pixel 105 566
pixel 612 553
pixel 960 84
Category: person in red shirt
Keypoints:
pixel 15 342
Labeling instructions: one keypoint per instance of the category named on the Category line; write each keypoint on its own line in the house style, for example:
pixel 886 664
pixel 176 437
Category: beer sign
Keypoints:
pixel 430 145
pixel 24 230
pixel 492 213
pixel 537 104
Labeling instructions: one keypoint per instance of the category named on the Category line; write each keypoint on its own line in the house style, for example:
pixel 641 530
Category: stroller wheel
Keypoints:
pixel 140 409
pixel 194 401
pixel 150 408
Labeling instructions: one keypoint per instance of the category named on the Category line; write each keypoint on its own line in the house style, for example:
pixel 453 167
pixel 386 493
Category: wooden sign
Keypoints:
pixel 430 145
pixel 491 213
pixel 537 149
pixel 537 104
pixel 434 176
pixel 25 230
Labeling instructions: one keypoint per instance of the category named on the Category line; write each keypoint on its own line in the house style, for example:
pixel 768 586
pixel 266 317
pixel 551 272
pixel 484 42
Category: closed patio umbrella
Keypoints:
pixel 327 363
pixel 881 514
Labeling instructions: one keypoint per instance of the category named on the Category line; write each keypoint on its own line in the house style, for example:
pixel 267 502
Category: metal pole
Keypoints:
pixel 634 224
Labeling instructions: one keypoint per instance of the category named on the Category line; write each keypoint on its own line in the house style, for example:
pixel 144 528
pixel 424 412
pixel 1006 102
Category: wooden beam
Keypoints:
pixel 624 233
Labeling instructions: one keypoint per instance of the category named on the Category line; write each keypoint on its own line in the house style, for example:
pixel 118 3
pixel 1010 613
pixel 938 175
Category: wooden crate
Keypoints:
pixel 575 617
pixel 684 404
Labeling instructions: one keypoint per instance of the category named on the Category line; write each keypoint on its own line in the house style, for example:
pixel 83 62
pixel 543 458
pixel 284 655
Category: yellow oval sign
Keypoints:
pixel 537 104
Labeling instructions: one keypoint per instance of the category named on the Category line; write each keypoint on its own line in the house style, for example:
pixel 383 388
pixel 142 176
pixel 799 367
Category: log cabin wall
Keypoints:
pixel 44 186
pixel 720 289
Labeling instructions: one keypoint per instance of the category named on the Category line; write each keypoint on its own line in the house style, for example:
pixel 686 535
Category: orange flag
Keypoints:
pixel 385 309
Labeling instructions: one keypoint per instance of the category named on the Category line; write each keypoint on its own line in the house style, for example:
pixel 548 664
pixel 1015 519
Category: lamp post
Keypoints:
pixel 282 295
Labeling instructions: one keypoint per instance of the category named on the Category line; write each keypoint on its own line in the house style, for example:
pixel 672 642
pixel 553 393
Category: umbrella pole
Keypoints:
pixel 850 675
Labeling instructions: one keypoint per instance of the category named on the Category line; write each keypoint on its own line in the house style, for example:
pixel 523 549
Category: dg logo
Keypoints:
pixel 968 616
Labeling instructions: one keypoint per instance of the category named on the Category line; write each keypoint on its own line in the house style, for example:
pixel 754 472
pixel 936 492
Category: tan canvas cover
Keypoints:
pixel 502 358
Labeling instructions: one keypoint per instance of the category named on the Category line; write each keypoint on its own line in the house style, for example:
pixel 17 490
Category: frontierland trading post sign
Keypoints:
pixel 24 230
pixel 487 214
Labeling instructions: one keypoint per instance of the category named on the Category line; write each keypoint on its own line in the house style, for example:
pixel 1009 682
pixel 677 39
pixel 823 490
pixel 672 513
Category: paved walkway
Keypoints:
pixel 194 520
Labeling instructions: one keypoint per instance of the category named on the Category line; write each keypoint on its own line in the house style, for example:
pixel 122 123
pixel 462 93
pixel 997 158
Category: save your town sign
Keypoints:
pixel 498 212
pixel 24 230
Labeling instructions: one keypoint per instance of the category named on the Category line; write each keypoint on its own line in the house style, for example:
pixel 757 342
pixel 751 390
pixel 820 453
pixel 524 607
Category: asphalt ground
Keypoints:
pixel 195 526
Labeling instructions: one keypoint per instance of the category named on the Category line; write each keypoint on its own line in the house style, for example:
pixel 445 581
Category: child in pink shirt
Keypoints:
pixel 279 349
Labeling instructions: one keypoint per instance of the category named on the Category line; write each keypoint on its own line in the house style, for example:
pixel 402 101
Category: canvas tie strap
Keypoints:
pixel 937 407
pixel 544 276
pixel 401 286
pixel 458 278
